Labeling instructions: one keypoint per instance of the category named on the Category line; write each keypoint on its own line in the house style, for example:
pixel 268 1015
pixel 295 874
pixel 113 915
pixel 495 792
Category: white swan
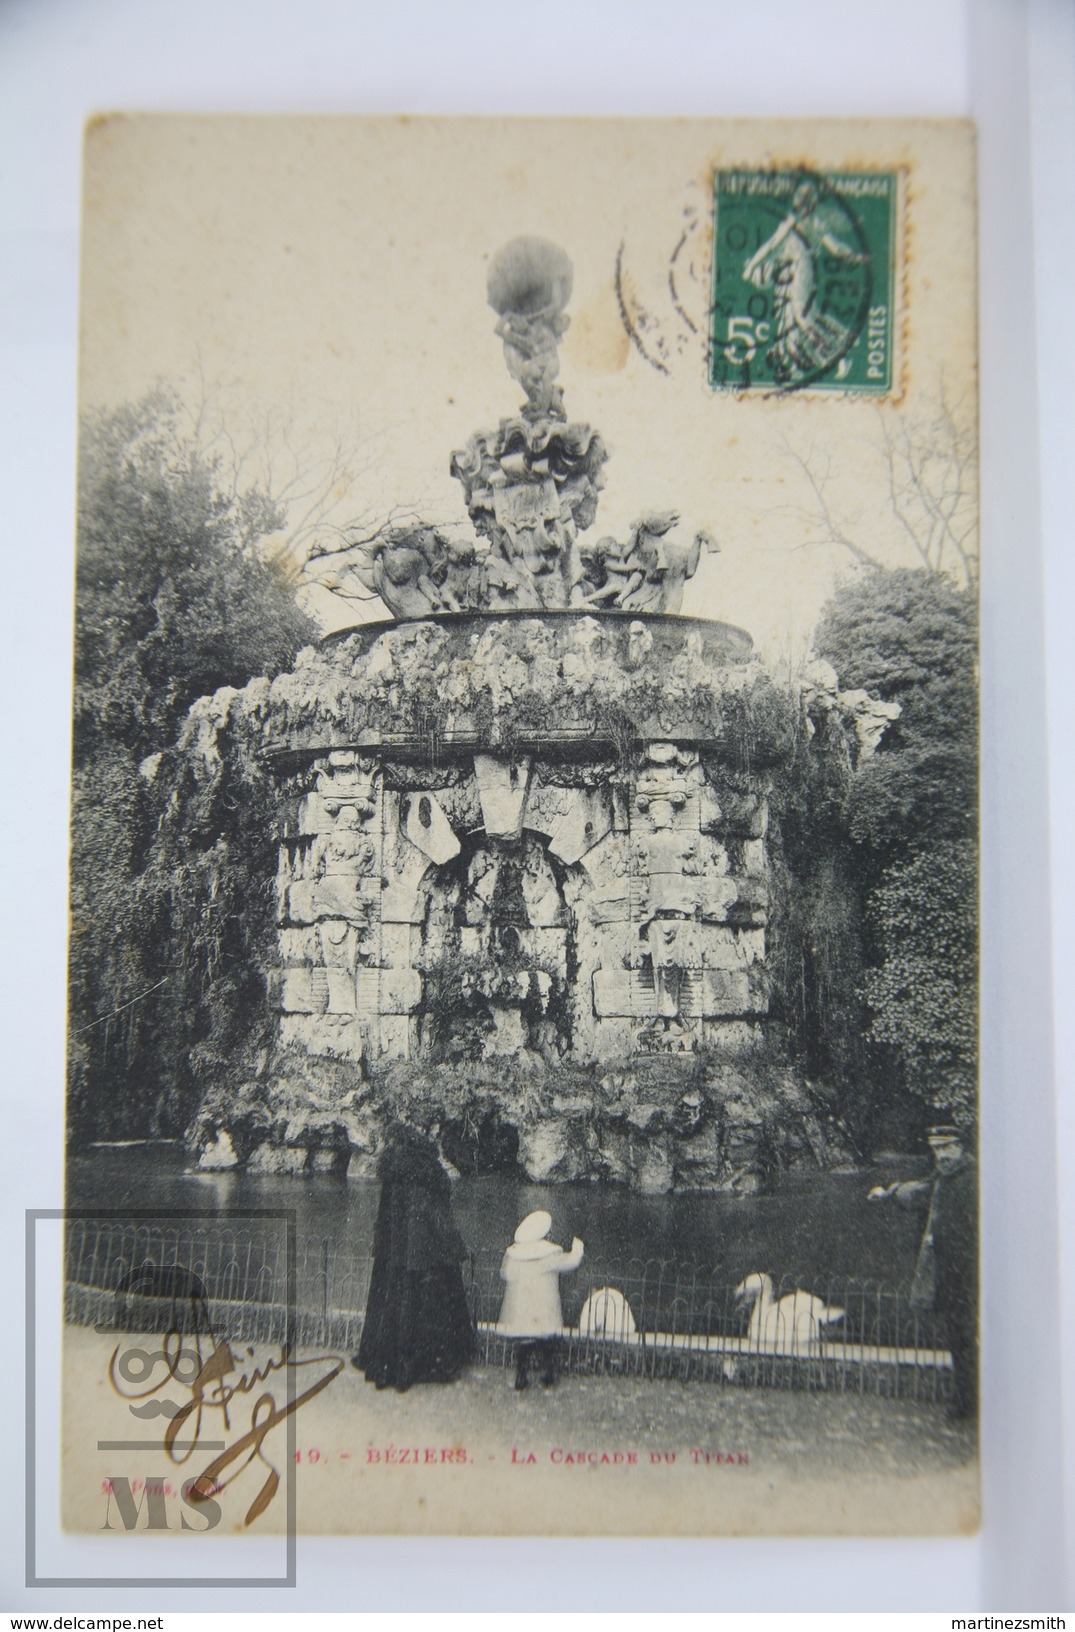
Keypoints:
pixel 606 1313
pixel 789 1324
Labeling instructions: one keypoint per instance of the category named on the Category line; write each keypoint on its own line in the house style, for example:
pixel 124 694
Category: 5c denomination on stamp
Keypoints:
pixel 803 280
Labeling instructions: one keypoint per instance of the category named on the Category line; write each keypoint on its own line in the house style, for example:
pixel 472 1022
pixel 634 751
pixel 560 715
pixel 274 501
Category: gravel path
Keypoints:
pixel 594 1455
pixel 779 1428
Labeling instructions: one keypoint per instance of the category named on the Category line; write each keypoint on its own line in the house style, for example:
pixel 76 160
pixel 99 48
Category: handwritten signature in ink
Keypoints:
pixel 214 1381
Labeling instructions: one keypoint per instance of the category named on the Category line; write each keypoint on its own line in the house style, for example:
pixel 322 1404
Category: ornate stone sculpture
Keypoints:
pixel 415 570
pixel 532 488
pixel 529 287
pixel 646 574
pixel 522 850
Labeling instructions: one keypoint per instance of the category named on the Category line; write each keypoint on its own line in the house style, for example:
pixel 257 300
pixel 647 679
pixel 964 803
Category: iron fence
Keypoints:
pixel 652 1318
pixel 663 1318
pixel 233 1274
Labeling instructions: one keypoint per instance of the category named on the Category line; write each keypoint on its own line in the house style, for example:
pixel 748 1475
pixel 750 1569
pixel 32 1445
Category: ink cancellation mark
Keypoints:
pixel 803 281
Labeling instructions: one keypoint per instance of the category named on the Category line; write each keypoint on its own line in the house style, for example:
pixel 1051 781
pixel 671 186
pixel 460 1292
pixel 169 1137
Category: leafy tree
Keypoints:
pixel 923 995
pixel 908 636
pixel 910 826
pixel 174 601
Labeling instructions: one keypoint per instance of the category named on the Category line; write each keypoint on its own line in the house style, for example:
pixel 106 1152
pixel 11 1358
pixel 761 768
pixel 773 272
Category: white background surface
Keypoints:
pixel 1010 65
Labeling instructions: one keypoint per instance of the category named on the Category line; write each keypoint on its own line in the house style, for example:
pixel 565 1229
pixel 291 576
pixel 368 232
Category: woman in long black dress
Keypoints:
pixel 417 1328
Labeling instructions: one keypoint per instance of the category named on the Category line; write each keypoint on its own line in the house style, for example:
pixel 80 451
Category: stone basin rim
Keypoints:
pixel 731 633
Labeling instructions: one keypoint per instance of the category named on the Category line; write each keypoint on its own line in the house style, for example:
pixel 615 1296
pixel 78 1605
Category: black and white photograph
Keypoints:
pixel 538 1076
pixel 523 1051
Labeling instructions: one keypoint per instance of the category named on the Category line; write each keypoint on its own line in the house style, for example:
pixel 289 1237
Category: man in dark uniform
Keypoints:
pixel 948 1253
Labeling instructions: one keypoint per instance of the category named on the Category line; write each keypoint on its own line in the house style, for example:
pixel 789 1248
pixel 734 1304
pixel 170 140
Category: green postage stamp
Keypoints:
pixel 803 280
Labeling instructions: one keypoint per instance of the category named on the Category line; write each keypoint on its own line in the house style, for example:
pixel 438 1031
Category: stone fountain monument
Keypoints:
pixel 523 825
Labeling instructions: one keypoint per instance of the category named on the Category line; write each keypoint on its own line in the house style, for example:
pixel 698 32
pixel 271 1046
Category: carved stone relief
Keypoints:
pixel 574 914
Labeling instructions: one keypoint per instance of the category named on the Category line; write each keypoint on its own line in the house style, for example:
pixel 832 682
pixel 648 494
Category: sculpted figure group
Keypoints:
pixel 531 490
pixel 647 574
pixel 415 570
pixel 419 570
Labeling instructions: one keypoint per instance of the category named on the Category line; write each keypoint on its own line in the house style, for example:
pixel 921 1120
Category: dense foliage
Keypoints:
pixel 815 930
pixel 923 995
pixel 173 601
pixel 904 849
pixel 910 638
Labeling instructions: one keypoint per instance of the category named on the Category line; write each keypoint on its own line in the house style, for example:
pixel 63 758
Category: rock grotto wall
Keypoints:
pixel 523 878
pixel 537 844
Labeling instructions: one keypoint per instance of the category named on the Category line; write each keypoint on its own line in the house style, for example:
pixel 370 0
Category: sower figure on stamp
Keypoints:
pixel 809 337
pixel 531 1311
pixel 946 1270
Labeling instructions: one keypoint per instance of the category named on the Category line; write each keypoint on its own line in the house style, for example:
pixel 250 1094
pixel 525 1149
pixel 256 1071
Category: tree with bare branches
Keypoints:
pixel 931 469
pixel 305 471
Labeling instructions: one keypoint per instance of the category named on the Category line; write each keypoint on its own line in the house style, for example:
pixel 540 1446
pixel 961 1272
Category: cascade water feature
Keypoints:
pixel 522 832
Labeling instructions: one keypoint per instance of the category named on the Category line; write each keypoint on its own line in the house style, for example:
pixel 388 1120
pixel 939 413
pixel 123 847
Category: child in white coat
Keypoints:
pixel 531 1311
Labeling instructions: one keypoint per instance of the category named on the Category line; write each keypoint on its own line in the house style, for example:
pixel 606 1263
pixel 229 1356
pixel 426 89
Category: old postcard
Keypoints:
pixel 523 1027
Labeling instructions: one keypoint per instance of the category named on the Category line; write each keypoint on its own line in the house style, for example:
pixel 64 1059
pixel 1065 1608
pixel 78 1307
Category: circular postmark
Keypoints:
pixel 792 281
pixel 661 280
